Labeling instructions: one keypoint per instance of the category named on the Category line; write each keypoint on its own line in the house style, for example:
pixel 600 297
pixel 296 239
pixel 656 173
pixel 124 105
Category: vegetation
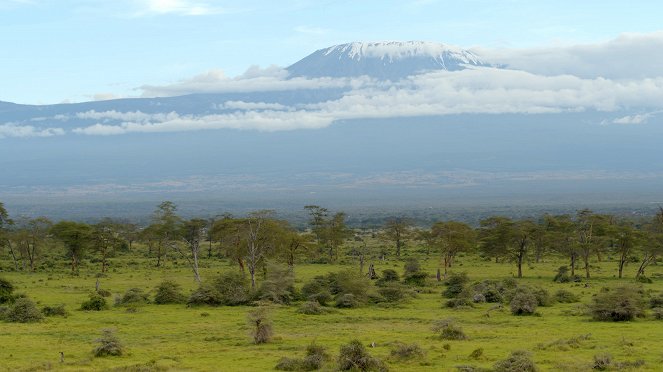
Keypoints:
pixel 299 275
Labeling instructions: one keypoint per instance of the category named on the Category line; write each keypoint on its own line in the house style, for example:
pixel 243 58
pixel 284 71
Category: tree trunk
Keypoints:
pixel 520 265
pixel 438 276
pixel 11 250
pixel 573 264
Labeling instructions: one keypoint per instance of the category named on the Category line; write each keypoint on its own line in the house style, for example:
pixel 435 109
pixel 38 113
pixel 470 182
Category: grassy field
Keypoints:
pixel 175 337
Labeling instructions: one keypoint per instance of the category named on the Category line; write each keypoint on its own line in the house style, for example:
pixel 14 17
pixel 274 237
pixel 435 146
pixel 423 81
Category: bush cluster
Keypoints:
pixel 354 357
pixel 518 361
pixel 169 292
pixel 315 357
pixel 231 289
pixel 448 329
pixel 23 310
pixel 618 304
pixel 109 344
pixel 95 303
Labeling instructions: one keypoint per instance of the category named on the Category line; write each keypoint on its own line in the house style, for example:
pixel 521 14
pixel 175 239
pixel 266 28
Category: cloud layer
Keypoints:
pixel 617 76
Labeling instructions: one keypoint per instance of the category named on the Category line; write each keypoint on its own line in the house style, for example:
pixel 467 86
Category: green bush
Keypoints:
pixel 354 357
pixel 231 289
pixel 57 310
pixel 347 300
pixel 412 266
pixel 279 286
pixel 602 362
pixel 416 279
pixel 393 292
pixel 133 296
pixel 656 301
pixel 565 297
pixel 6 290
pixel 447 329
pixel 455 284
pixel 23 310
pixel 407 351
pixel 542 296
pixel 523 302
pixel 169 292
pixel 460 302
pixel 261 326
pixel 518 361
pixel 205 294
pixel 388 276
pixel 619 304
pixel 657 313
pixel 312 308
pixel 109 344
pixel 95 303
pixel 315 357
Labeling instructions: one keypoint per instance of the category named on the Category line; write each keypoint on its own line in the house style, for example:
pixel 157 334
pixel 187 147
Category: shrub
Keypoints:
pixel 314 359
pixel 602 362
pixel 455 284
pixel 317 290
pixel 448 330
pixel 562 275
pixel 476 353
pixel 349 282
pixel 347 300
pixel 104 292
pixel 205 294
pixel 657 313
pixel 392 293
pixel 416 279
pixel 6 290
pixel 261 327
pixel 488 291
pixel 518 361
pixel 459 302
pixel 234 288
pixel 57 310
pixel 412 266
pixel 23 310
pixel 133 296
pixel 619 304
pixel 169 292
pixel 354 357
pixel 542 296
pixel 312 308
pixel 565 297
pixel 524 302
pixel 278 287
pixel 95 303
pixel 656 301
pixel 388 276
pixel 407 351
pixel 109 344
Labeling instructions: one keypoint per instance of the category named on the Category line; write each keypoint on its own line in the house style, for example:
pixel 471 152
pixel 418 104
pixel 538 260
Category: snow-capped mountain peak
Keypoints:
pixel 385 60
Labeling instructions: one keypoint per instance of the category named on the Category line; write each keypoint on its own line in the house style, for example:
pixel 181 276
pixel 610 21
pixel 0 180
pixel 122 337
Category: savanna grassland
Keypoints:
pixel 560 336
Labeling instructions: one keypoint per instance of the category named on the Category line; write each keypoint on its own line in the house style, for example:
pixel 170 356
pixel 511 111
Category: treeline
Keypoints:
pixel 252 240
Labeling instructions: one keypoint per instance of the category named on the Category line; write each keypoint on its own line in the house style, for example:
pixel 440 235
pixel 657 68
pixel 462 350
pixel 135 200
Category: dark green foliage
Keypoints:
pixel 133 296
pixel 518 361
pixel 416 279
pixel 476 353
pixel 6 290
pixel 565 297
pixel 317 290
pixel 491 291
pixel 619 304
pixel 523 302
pixel 656 301
pixel 354 357
pixel 407 351
pixel 109 344
pixel 392 293
pixel 94 303
pixel 347 300
pixel 261 326
pixel 455 284
pixel 388 276
pixel 279 286
pixel 412 266
pixel 542 296
pixel 602 362
pixel 312 308
pixel 57 310
pixel 460 302
pixel 169 292
pixel 563 276
pixel 315 357
pixel 104 293
pixel 447 329
pixel 231 289
pixel 23 310
pixel 657 313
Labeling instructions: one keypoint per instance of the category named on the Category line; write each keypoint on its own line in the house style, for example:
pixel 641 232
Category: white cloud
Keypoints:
pixel 23 131
pixel 629 56
pixel 104 96
pixel 633 119
pixel 178 7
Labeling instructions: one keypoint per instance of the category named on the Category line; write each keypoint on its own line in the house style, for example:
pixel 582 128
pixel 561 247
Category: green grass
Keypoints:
pixel 175 337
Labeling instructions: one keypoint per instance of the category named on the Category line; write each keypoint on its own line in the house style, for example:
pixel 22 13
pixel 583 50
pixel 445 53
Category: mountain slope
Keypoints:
pixel 384 60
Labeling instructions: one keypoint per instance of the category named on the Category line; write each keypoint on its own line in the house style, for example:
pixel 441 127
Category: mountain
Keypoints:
pixel 391 60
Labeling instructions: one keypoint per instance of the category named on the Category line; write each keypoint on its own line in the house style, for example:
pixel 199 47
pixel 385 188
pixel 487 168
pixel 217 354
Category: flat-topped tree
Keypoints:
pixel 76 238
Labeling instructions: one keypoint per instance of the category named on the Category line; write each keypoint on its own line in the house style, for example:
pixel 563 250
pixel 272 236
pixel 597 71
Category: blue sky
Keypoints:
pixel 79 50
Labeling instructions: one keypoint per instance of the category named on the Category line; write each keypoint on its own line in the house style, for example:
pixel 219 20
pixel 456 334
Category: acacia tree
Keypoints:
pixel 259 240
pixel 166 227
pixel 192 232
pixel 561 235
pixel 330 232
pixel 105 239
pixel 229 232
pixel 450 238
pixel 496 236
pixel 626 238
pixel 653 246
pixel 76 238
pixel 397 230
pixel 6 234
pixel 35 234
pixel 591 229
